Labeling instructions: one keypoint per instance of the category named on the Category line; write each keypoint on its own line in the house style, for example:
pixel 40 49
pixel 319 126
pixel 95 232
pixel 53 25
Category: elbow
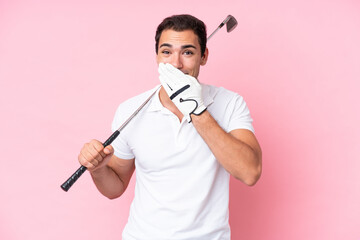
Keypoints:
pixel 112 194
pixel 112 197
pixel 252 180
pixel 255 172
pixel 252 175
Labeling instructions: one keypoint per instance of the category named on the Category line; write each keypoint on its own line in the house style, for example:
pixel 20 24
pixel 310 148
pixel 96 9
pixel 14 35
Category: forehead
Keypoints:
pixel 182 37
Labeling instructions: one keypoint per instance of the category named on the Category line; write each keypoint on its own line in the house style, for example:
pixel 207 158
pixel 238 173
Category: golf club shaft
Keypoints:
pixel 213 33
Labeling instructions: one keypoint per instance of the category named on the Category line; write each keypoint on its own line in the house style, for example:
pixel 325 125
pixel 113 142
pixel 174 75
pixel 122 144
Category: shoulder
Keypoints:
pixel 228 108
pixel 220 94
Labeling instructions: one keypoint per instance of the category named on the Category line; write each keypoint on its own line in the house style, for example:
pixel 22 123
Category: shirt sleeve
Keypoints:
pixel 240 118
pixel 121 148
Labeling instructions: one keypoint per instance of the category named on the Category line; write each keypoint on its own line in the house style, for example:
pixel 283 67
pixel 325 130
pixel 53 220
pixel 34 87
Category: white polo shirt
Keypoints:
pixel 181 190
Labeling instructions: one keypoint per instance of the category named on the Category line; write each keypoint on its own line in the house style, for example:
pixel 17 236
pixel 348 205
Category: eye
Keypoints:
pixel 188 52
pixel 165 52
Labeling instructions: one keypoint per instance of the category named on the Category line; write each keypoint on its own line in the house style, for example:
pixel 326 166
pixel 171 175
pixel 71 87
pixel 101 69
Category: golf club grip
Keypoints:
pixel 71 180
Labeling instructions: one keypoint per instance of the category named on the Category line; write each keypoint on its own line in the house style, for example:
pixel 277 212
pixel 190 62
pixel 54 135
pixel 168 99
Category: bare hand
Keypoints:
pixel 93 155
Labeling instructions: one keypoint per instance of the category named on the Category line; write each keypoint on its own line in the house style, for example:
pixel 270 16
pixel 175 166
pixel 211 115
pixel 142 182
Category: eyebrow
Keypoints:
pixel 182 47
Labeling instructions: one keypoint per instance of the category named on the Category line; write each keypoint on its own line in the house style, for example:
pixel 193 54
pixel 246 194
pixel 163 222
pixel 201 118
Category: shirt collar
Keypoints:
pixel 208 95
pixel 155 104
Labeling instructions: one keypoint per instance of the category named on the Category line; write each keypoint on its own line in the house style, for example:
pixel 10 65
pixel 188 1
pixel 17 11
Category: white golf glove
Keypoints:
pixel 183 89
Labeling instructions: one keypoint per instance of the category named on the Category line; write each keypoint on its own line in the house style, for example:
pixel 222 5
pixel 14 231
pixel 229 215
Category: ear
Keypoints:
pixel 204 58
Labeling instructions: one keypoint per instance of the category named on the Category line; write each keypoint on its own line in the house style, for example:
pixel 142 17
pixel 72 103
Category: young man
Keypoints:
pixel 184 144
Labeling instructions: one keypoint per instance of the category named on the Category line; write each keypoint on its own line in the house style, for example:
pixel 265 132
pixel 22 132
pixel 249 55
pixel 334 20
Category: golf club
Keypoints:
pixel 230 22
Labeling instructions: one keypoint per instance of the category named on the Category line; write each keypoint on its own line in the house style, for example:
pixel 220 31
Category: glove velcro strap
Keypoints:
pixel 179 91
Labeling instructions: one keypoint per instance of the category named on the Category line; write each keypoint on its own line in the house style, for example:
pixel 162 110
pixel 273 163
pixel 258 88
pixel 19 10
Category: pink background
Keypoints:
pixel 66 65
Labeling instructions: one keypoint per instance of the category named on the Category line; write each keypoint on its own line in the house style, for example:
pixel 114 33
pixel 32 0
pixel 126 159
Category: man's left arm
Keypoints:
pixel 238 151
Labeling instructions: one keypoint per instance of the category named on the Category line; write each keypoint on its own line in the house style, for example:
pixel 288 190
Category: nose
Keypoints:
pixel 176 61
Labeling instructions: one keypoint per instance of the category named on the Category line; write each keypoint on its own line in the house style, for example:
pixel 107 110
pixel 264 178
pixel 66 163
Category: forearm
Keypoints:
pixel 108 182
pixel 237 157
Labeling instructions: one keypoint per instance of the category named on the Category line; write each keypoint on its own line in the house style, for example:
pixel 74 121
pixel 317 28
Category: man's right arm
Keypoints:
pixel 110 174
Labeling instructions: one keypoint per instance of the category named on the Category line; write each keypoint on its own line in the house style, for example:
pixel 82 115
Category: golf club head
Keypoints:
pixel 231 23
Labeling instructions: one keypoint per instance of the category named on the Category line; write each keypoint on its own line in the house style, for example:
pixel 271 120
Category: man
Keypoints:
pixel 184 144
